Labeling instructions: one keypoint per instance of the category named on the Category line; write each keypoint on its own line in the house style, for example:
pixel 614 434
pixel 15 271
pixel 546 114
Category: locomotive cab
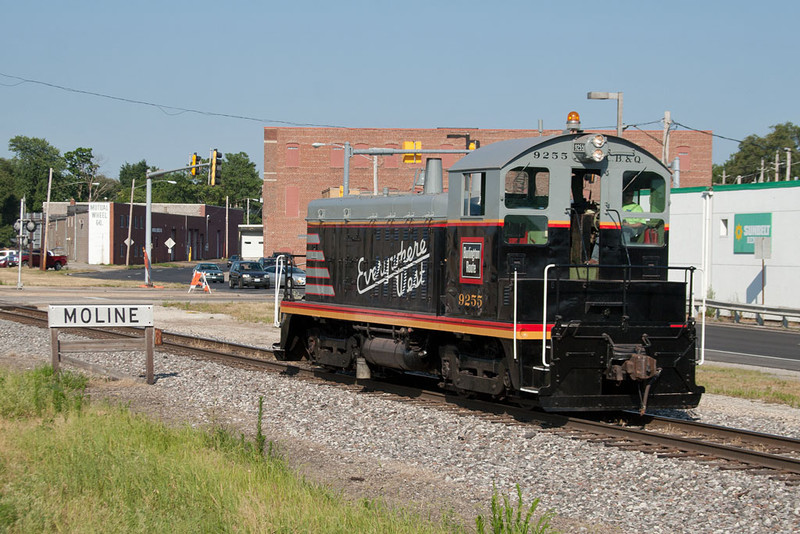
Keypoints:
pixel 577 261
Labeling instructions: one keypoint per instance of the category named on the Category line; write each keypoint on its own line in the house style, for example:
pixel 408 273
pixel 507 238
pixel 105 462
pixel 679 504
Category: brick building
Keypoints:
pixel 96 232
pixel 295 172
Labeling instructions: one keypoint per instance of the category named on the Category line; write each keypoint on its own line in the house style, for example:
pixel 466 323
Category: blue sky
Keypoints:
pixel 730 67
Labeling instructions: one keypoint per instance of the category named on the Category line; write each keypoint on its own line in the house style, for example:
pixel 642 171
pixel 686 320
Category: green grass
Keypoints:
pixel 508 519
pixel 71 465
pixel 749 384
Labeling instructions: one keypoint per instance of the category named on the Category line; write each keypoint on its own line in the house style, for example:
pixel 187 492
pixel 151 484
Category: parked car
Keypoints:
pixel 234 258
pixel 8 258
pixel 54 261
pixel 266 262
pixel 247 273
pixel 298 276
pixel 212 271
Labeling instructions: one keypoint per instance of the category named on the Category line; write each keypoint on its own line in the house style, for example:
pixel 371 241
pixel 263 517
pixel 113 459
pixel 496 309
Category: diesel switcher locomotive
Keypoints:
pixel 540 275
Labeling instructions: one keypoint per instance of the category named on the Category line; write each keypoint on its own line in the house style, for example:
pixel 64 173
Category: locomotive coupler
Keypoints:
pixel 630 361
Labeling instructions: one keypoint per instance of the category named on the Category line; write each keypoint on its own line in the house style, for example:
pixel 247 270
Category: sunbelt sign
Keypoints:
pixel 747 228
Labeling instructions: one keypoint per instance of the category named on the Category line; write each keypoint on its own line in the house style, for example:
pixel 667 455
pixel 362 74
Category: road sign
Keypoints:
pixel 170 243
pixel 78 315
pixel 129 242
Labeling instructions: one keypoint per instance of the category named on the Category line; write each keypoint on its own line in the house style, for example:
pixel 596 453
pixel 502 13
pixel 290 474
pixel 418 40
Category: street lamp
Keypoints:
pixel 600 95
pixel 128 241
pixel 348 153
pixel 248 206
pixel 375 152
pixel 149 221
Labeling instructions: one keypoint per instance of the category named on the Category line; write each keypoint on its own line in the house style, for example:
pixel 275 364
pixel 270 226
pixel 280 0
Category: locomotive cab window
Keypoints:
pixel 474 194
pixel 643 193
pixel 527 187
pixel 525 229
pixel 645 190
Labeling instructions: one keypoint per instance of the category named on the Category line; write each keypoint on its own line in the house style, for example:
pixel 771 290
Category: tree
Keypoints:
pixel 240 179
pixel 747 161
pixel 9 202
pixel 31 168
pixel 81 175
pixel 127 174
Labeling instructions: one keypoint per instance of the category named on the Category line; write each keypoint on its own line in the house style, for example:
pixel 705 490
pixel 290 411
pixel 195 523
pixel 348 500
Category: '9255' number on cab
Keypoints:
pixel 470 300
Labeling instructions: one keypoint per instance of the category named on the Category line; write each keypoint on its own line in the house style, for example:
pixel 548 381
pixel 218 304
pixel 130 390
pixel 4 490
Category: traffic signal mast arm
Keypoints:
pixel 156 174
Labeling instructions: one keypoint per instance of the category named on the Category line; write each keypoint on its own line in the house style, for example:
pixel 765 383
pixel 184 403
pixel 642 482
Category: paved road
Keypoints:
pixel 753 345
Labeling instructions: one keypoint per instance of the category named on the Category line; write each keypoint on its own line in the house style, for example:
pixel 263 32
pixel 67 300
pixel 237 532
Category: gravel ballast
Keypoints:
pixel 437 462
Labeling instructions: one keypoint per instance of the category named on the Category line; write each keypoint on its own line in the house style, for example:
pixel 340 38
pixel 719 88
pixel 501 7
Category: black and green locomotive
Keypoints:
pixel 541 275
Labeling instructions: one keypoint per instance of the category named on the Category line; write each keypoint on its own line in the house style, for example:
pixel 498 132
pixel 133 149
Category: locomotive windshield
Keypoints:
pixel 643 192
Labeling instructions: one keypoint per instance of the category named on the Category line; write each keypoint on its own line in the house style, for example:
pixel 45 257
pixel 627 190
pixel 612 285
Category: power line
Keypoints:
pixel 709 133
pixel 161 107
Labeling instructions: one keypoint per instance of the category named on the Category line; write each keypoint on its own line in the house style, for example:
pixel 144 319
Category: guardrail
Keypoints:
pixel 737 309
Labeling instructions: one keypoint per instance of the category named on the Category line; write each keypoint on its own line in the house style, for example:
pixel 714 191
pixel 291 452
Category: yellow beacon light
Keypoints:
pixel 573 121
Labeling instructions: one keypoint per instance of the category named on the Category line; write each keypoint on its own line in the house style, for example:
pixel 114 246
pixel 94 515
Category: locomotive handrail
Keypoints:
pixel 515 315
pixel 627 269
pixel 544 319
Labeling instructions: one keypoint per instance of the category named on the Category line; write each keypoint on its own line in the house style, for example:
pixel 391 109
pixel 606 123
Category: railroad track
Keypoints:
pixel 727 448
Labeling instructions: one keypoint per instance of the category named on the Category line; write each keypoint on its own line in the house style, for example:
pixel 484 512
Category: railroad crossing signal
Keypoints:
pixel 28 225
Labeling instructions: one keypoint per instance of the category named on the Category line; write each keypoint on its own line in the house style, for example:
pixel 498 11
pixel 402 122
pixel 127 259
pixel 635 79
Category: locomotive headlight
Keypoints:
pixel 591 147
pixel 598 155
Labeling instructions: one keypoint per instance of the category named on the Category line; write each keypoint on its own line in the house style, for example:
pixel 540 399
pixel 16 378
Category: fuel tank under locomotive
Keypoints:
pixel 391 348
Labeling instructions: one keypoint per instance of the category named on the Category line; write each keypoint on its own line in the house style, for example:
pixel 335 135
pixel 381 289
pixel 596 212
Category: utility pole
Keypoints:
pixel 788 163
pixel 43 259
pixel 777 163
pixel 130 222
pixel 665 144
pixel 761 178
pixel 227 223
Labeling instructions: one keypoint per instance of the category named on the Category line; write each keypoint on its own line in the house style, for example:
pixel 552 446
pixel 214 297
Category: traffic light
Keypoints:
pixel 216 166
pixel 195 161
pixel 412 158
